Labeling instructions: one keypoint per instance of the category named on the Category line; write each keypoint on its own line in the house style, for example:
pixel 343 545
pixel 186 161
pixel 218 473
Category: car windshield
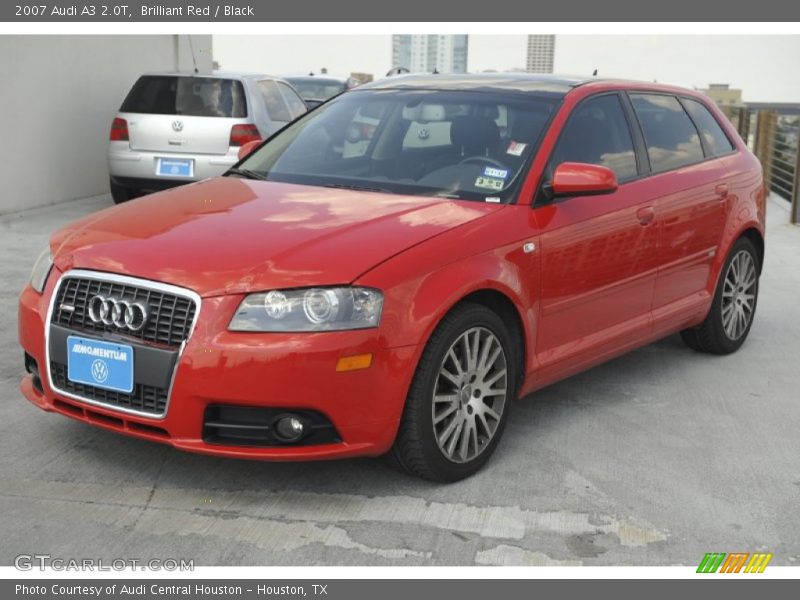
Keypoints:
pixel 454 144
pixel 316 88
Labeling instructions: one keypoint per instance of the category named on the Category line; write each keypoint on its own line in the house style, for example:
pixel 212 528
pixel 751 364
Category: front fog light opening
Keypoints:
pixel 289 428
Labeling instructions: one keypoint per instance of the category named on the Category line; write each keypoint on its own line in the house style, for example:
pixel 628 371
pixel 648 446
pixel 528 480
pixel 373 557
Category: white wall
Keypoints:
pixel 58 95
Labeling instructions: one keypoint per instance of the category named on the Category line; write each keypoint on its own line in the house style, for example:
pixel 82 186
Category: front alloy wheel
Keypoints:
pixel 469 395
pixel 461 395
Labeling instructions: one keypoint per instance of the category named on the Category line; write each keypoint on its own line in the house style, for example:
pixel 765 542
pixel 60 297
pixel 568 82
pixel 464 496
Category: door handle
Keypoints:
pixel 645 215
pixel 721 191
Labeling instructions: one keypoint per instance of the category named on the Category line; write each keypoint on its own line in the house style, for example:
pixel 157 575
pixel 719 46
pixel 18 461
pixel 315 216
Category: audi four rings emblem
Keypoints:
pixel 120 313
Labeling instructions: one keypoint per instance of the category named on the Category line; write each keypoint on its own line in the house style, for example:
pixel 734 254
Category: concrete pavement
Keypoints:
pixel 652 459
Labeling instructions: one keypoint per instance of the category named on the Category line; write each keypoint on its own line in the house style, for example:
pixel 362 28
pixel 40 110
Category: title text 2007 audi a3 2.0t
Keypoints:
pixel 390 272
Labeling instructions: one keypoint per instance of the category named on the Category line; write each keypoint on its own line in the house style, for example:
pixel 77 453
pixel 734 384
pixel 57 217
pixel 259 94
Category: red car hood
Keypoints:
pixel 230 235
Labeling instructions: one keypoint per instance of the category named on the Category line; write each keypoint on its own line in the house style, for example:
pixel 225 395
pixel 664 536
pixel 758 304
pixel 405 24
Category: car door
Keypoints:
pixel 691 214
pixel 598 253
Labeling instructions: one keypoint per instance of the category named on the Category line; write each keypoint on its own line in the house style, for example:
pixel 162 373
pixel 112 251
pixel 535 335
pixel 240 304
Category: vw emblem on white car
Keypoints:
pixel 99 371
pixel 120 313
pixel 423 133
pixel 177 125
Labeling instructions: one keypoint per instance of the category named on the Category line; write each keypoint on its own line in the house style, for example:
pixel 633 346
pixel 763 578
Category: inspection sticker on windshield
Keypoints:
pixel 516 148
pixel 490 183
pixel 492 172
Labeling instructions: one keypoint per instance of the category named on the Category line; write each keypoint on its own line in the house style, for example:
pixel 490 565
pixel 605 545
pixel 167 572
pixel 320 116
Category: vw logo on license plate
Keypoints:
pixel 99 371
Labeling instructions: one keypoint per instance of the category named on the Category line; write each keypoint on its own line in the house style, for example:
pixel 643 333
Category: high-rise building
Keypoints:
pixel 541 50
pixel 429 53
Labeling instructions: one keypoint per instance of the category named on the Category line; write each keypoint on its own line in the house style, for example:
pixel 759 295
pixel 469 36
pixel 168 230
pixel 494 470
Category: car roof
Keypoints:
pixel 510 82
pixel 213 74
pixel 507 82
pixel 306 76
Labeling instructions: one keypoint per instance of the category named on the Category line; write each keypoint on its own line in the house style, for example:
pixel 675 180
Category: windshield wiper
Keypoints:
pixel 247 174
pixel 359 188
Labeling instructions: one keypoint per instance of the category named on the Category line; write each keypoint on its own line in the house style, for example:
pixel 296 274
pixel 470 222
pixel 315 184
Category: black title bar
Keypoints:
pixel 132 11
pixel 731 588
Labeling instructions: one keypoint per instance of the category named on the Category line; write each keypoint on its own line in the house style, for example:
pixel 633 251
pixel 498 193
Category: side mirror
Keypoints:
pixel 247 149
pixel 582 179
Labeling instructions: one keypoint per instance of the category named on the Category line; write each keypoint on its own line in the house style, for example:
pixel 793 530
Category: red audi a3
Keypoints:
pixel 392 271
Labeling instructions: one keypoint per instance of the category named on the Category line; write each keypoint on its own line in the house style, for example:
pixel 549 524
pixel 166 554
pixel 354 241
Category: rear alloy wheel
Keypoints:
pixel 460 398
pixel 731 316
pixel 739 295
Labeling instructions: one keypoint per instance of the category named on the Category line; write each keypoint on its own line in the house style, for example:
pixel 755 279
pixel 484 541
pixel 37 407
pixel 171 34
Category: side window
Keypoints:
pixel 716 141
pixel 296 105
pixel 276 106
pixel 671 137
pixel 597 133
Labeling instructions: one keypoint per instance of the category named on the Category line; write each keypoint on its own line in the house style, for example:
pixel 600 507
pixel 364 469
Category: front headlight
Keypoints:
pixel 310 309
pixel 41 269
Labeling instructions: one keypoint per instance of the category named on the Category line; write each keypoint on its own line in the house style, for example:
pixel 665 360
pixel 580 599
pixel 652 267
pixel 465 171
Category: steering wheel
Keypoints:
pixel 483 159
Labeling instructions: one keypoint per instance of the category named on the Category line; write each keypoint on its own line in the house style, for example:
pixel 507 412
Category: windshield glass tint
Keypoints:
pixel 317 89
pixel 190 96
pixel 462 145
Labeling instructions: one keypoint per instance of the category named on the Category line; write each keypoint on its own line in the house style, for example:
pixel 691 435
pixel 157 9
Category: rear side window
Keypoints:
pixel 597 133
pixel 296 105
pixel 190 96
pixel 276 106
pixel 714 137
pixel 671 137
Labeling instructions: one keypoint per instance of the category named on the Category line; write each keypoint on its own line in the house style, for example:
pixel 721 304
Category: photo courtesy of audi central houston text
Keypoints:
pixel 328 270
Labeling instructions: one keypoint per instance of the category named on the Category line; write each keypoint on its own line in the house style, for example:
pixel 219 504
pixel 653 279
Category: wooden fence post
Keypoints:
pixel 766 124
pixel 743 124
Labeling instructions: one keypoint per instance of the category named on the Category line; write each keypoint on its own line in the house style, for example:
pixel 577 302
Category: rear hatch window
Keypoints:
pixel 189 96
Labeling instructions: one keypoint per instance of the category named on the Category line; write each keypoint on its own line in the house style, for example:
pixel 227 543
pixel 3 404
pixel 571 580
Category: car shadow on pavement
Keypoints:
pixel 536 423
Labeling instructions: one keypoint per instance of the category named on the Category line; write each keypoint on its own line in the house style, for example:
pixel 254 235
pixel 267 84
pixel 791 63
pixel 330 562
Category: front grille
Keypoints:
pixel 144 398
pixel 170 318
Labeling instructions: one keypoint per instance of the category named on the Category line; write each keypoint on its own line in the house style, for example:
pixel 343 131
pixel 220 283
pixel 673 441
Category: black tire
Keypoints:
pixel 119 193
pixel 711 336
pixel 416 449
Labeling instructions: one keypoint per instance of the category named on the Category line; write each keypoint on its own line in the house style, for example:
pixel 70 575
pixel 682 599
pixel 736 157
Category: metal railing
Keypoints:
pixel 776 144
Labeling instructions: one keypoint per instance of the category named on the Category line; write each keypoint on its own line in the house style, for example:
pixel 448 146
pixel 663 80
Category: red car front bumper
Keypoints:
pixel 219 367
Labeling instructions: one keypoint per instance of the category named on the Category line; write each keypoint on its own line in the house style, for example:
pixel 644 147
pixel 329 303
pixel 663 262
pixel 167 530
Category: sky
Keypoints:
pixel 764 67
